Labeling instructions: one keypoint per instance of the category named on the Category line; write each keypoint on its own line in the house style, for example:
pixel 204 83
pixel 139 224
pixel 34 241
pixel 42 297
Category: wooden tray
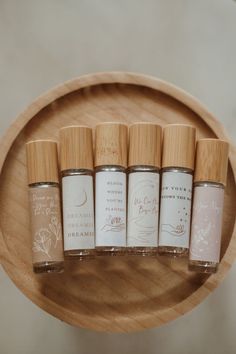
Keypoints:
pixel 109 294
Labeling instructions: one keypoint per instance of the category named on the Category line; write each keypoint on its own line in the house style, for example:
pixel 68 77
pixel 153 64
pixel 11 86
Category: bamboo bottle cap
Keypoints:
pixel 76 148
pixel 111 144
pixel 211 161
pixel 42 161
pixel 145 144
pixel 178 146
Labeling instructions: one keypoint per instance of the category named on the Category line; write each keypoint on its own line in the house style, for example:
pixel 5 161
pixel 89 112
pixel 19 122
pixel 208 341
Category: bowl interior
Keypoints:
pixel 105 293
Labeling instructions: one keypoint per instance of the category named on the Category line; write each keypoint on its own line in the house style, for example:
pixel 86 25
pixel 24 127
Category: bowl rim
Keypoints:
pixel 129 78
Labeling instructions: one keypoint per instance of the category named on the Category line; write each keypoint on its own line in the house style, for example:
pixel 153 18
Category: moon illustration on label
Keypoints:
pixel 82 199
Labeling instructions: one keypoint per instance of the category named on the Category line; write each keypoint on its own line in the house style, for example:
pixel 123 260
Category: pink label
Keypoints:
pixel 206 224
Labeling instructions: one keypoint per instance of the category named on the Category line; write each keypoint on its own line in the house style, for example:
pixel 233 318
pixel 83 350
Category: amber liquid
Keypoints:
pixel 142 251
pixel 48 267
pixel 80 254
pixel 170 251
pixel 203 267
pixel 110 251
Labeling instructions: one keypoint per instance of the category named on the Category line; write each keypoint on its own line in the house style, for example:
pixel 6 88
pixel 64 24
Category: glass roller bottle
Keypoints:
pixel 45 207
pixel 110 188
pixel 143 188
pixel 176 189
pixel 209 182
pixel 76 164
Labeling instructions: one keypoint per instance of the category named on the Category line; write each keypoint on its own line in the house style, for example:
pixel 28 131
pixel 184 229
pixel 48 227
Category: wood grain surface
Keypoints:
pixel 211 161
pixel 73 142
pixel 111 144
pixel 145 143
pixel 120 294
pixel 42 161
pixel 179 146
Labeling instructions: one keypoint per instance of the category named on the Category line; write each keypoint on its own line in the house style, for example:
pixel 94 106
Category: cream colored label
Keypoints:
pixel 78 212
pixel 111 209
pixel 46 224
pixel 143 208
pixel 175 209
pixel 206 224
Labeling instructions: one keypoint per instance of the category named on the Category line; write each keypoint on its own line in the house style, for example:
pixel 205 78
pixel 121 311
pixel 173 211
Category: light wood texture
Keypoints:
pixel 178 146
pixel 145 144
pixel 211 161
pixel 111 143
pixel 76 148
pixel 108 294
pixel 42 161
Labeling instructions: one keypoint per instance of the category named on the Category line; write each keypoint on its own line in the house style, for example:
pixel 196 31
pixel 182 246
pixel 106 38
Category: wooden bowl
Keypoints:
pixel 108 294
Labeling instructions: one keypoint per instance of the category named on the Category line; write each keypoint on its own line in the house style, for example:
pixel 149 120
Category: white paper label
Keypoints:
pixel 111 209
pixel 78 212
pixel 143 208
pixel 175 209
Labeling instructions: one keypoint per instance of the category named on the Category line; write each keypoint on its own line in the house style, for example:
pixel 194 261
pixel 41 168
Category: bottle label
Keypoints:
pixel 175 213
pixel 206 224
pixel 45 210
pixel 111 209
pixel 78 212
pixel 143 208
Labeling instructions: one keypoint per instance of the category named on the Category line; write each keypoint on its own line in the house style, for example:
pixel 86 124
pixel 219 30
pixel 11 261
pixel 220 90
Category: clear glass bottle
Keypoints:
pixel 45 207
pixel 76 157
pixel 176 190
pixel 143 188
pixel 209 181
pixel 110 188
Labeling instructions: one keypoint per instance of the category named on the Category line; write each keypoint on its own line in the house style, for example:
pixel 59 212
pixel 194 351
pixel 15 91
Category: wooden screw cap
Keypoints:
pixel 211 161
pixel 178 146
pixel 111 144
pixel 42 161
pixel 76 148
pixel 145 144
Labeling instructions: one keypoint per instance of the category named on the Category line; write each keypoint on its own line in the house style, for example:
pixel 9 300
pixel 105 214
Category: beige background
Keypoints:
pixel 189 43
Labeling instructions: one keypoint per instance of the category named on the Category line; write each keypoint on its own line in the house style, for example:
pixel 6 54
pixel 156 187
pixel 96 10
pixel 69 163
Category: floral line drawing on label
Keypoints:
pixel 55 228
pixel 43 237
pixel 46 224
pixel 113 224
pixel 42 241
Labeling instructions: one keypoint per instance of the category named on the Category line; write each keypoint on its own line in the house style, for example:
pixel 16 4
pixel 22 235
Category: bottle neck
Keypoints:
pixel 177 170
pixel 110 168
pixel 208 184
pixel 44 185
pixel 143 168
pixel 76 172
